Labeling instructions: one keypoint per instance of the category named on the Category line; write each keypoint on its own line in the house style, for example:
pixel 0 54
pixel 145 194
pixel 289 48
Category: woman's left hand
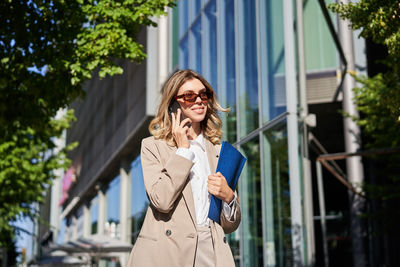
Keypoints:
pixel 218 187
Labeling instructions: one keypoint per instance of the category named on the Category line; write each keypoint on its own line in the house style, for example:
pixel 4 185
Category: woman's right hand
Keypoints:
pixel 180 130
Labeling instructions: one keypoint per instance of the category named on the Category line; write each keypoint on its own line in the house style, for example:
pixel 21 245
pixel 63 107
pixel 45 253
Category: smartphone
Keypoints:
pixel 173 108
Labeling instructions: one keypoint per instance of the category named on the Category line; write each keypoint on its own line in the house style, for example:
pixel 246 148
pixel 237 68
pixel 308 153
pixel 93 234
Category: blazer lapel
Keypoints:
pixel 188 196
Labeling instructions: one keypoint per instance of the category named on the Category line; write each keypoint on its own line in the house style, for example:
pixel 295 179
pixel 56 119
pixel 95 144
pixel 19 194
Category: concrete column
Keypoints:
pixel 125 204
pixel 157 62
pixel 352 144
pixel 152 69
pixel 55 209
pixel 296 201
pixel 306 166
pixel 125 201
pixel 36 231
pixel 102 212
pixel 163 50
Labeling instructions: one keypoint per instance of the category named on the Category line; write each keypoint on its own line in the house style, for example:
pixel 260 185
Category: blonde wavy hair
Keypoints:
pixel 160 126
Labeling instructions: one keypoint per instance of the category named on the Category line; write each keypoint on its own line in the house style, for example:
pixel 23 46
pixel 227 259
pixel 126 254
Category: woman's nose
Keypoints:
pixel 198 100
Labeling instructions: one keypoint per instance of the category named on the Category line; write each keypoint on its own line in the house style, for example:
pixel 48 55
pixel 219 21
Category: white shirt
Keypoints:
pixel 198 180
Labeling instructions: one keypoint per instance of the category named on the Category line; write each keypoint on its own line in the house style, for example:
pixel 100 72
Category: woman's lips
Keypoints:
pixel 198 110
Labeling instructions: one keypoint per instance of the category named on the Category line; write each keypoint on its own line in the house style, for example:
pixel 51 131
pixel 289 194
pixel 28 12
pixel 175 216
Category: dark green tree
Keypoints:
pixel 48 49
pixel 378 100
pixel 378 97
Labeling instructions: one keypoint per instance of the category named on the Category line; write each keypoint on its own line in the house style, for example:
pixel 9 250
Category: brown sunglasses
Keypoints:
pixel 192 96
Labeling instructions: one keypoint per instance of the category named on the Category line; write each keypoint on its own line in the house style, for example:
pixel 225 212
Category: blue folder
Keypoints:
pixel 230 165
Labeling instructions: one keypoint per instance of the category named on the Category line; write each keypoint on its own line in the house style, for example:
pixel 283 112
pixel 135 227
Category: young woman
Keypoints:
pixel 179 163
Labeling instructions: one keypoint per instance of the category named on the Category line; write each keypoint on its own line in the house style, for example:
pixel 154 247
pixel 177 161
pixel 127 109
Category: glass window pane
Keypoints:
pixel 183 17
pixel 113 204
pixel 272 59
pixel 139 198
pixel 278 242
pixel 210 51
pixel 227 88
pixel 195 46
pixel 94 214
pixel 195 8
pixel 175 37
pixel 184 53
pixel 320 50
pixel 61 232
pixel 248 82
pixel 250 199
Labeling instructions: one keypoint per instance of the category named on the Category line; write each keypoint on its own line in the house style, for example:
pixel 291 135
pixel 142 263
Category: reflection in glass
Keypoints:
pixel 319 45
pixel 248 87
pixel 210 51
pixel 272 57
pixel 195 8
pixel 277 197
pixel 113 208
pixel 61 232
pixel 250 199
pixel 227 88
pixel 94 214
pixel 139 198
pixel 183 53
pixel 195 46
pixel 183 17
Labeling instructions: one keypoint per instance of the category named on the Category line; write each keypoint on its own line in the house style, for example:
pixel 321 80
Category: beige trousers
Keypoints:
pixel 205 250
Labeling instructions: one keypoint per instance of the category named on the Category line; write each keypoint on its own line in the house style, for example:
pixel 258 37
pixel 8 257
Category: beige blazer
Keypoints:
pixel 168 236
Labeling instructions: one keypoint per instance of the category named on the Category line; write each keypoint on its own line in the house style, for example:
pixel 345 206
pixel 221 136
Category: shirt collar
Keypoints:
pixel 199 141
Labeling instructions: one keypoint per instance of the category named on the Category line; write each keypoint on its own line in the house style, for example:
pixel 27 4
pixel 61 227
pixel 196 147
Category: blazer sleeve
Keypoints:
pixel 163 184
pixel 231 226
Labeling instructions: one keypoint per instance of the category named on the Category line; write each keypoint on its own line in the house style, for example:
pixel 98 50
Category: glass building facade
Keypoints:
pixel 239 47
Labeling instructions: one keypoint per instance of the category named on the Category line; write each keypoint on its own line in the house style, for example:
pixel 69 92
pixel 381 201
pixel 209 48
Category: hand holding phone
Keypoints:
pixel 179 132
pixel 173 108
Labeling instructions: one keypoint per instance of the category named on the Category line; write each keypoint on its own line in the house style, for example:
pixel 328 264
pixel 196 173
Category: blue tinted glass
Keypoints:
pixel 251 206
pixel 227 91
pixel 139 197
pixel 196 8
pixel 183 53
pixel 277 221
pixel 61 232
pixel 227 68
pixel 211 50
pixel 183 17
pixel 113 200
pixel 272 60
pixel 195 46
pixel 248 90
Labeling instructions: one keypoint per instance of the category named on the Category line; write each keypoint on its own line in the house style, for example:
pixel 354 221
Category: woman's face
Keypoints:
pixel 197 110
